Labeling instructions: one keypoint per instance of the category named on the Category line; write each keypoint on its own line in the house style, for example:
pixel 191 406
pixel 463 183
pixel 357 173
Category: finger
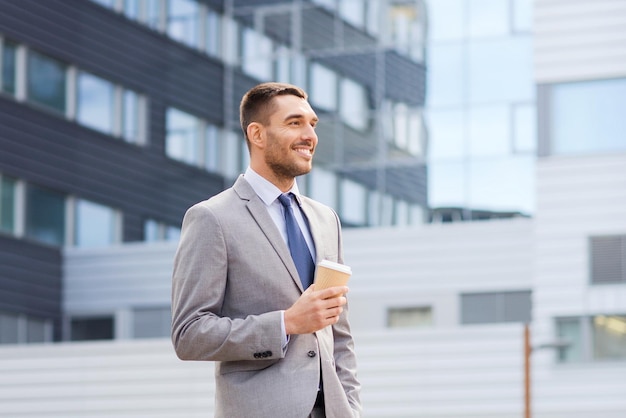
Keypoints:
pixel 333 292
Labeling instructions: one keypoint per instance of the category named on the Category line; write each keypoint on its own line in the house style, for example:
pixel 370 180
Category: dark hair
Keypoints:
pixel 256 105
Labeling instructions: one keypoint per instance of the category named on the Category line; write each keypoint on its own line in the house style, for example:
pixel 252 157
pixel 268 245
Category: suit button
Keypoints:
pixel 269 353
pixel 311 354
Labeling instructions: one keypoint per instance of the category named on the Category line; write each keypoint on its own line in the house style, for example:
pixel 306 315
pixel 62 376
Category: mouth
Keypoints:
pixel 304 151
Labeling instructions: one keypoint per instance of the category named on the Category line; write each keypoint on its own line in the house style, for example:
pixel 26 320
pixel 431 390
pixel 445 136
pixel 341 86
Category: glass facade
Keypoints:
pixel 366 137
pixel 480 108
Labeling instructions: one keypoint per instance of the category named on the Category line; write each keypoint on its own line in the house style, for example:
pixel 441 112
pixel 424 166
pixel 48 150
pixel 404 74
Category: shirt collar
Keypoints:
pixel 265 189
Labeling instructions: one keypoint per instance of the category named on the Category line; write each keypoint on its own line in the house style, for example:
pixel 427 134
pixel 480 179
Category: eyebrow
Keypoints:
pixel 299 116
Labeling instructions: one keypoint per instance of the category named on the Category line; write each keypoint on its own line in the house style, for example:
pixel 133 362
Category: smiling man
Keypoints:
pixel 241 287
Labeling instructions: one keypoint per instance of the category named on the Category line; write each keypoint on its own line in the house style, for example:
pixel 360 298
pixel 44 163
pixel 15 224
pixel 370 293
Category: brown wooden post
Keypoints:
pixel 527 352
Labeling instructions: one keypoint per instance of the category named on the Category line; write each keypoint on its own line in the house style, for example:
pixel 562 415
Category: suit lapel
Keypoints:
pixel 257 209
pixel 314 229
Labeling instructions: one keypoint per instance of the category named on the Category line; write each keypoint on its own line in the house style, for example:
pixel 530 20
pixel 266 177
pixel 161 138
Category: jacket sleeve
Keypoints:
pixel 199 281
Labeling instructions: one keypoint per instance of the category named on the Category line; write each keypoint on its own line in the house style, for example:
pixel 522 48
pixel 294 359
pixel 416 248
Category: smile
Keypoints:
pixel 304 151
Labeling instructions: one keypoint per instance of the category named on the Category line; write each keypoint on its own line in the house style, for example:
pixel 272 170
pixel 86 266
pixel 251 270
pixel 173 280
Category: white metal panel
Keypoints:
pixel 579 40
pixel 447 373
pixel 576 197
pixel 432 264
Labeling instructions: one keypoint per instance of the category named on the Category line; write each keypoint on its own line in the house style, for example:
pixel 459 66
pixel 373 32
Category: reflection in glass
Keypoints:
pixel 446 19
pixel 130 116
pixel 282 65
pixel 95 102
pixel 232 154
pixel 447 184
pixel 154 14
pixel 501 69
pixel 407 28
pixel 588 117
pixel 182 21
pixel 525 128
pixel 609 337
pixel 213 33
pixel 353 198
pixel 212 148
pixel 257 55
pixel 46 81
pixel 489 131
pixel 323 186
pixel 354 104
pixel 353 11
pixel 569 329
pixel 132 9
pixel 522 15
pixel 181 142
pixel 95 225
pixel 446 75
pixel 7 203
pixel 323 87
pixel 447 136
pixel 488 18
pixel 7 82
pixel 505 183
pixel 45 215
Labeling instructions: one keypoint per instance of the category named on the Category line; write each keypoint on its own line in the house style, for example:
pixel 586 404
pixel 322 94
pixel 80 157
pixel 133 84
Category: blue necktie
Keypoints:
pixel 297 244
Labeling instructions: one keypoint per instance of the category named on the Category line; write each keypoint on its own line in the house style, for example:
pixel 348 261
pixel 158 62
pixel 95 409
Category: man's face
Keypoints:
pixel 290 137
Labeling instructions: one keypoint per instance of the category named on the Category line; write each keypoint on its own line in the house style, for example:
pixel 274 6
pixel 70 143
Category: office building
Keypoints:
pixel 438 309
pixel 116 116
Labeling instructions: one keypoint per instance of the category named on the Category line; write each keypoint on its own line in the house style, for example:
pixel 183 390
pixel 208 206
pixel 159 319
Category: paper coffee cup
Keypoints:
pixel 329 274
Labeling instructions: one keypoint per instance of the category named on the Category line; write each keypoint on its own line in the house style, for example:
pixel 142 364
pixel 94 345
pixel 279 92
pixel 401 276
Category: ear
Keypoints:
pixel 256 134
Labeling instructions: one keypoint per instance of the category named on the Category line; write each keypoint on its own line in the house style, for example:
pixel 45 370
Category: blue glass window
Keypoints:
pixel 46 81
pixel 588 117
pixel 45 215
pixel 95 102
pixel 7 82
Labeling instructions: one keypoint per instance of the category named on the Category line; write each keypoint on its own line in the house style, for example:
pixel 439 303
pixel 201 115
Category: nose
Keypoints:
pixel 309 133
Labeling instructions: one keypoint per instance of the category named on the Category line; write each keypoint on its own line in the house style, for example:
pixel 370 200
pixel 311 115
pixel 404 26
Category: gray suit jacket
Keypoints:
pixel 233 274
